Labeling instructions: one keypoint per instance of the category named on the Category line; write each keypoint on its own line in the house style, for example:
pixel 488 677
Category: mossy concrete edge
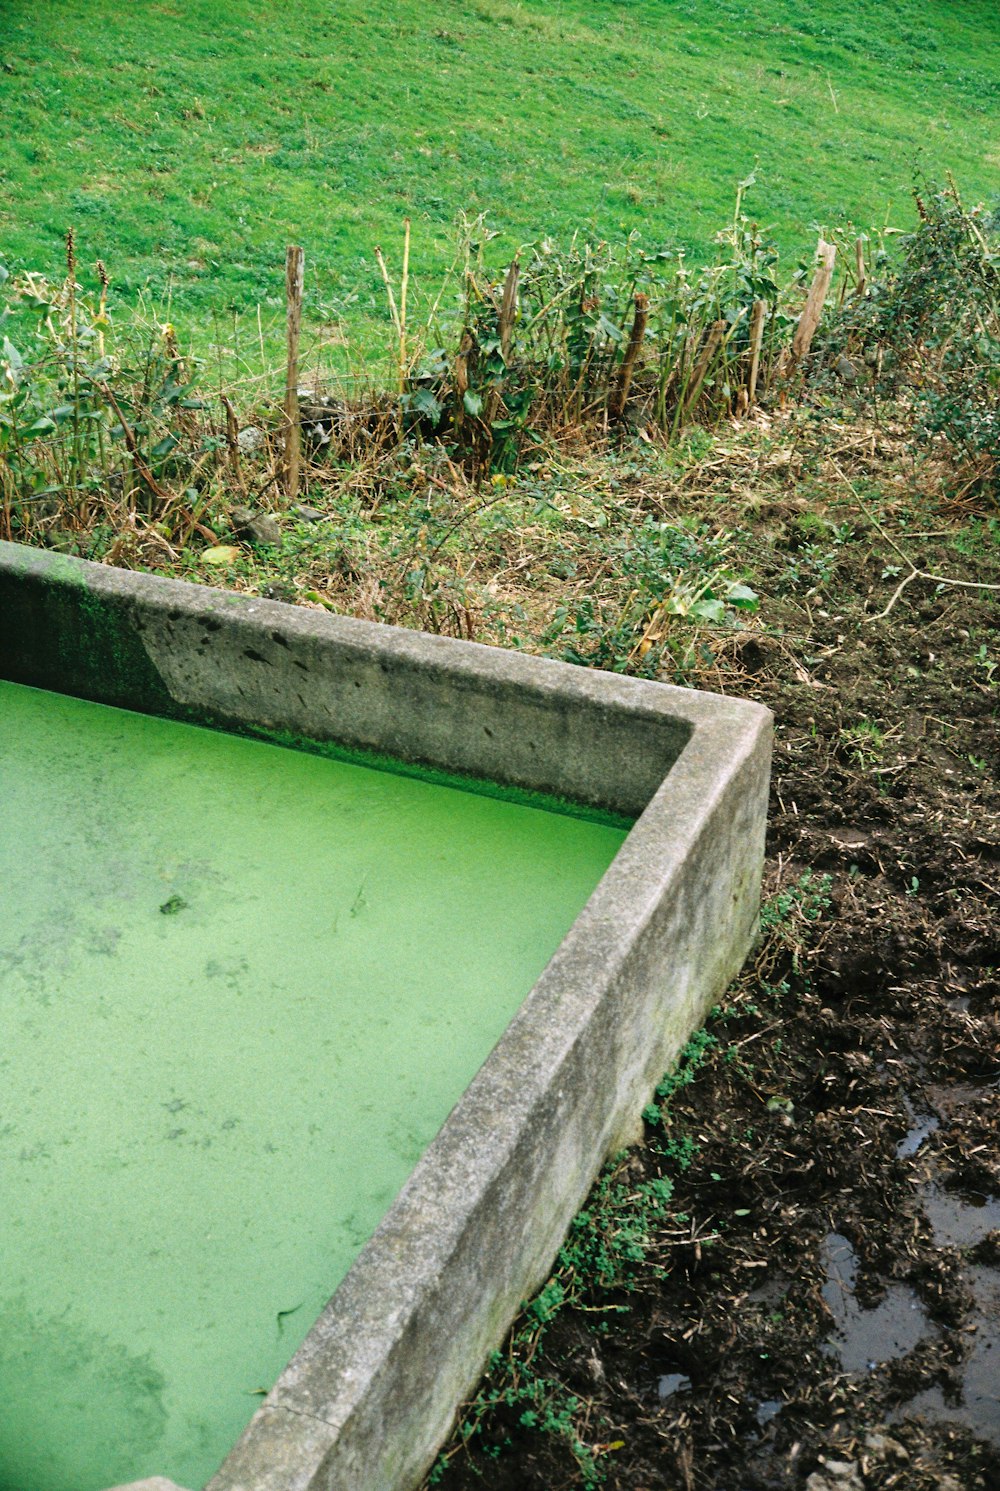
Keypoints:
pixel 368 1399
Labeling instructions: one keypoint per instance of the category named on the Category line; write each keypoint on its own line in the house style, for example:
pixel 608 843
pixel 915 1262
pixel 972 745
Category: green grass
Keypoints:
pixel 188 142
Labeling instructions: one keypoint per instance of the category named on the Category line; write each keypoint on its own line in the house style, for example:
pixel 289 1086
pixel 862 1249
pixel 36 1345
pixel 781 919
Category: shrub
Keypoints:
pixel 933 319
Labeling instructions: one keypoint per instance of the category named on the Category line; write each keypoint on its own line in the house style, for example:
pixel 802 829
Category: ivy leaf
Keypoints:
pixel 12 356
pixel 424 402
pixel 743 598
pixel 163 447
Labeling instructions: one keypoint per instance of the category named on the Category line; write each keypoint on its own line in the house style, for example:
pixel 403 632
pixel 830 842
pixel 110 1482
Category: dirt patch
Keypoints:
pixel 823 1308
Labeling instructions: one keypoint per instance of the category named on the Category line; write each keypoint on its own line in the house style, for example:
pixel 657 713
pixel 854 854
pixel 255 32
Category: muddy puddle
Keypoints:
pixel 967 1221
pixel 861 1338
pixel 978 1406
pixel 960 1221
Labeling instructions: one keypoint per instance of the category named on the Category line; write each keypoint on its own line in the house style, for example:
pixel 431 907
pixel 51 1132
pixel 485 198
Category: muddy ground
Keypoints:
pixel 822 1309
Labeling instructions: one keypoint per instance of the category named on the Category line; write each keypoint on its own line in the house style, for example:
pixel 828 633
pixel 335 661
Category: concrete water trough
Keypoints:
pixel 367 1399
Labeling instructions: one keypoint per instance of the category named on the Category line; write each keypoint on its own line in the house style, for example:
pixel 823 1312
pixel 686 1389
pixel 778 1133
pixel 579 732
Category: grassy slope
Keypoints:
pixel 188 142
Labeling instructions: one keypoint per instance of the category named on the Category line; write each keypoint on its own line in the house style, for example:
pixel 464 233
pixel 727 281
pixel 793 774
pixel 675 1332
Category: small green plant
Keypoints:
pixel 806 900
pixel 986 664
pixel 682 1151
pixel 977 538
pixel 678 586
pixel 864 743
pixel 787 924
pixel 810 568
pixel 613 1234
pixel 539 1403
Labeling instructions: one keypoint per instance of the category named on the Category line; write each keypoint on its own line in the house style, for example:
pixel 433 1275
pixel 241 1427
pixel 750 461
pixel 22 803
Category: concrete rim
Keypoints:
pixel 369 1396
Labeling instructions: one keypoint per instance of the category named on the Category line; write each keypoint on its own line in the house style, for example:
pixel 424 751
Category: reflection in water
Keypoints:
pixel 862 1338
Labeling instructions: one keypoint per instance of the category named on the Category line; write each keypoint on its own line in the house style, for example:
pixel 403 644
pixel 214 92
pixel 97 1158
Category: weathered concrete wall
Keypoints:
pixel 183 650
pixel 367 1400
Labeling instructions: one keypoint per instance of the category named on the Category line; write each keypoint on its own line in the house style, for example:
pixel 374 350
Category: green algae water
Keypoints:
pixel 240 989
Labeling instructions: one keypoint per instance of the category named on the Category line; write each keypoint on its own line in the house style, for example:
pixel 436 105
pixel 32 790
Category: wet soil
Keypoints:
pixel 824 1311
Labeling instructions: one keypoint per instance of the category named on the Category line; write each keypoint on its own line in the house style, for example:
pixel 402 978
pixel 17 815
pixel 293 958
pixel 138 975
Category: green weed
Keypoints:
pixel 933 317
pixel 676 581
pixel 864 743
pixel 91 424
pixel 788 923
pixel 607 1243
pixel 805 901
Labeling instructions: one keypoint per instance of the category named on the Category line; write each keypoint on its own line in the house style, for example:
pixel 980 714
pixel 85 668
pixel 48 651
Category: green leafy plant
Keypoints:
pixel 89 423
pixel 678 585
pixel 932 317
pixel 788 920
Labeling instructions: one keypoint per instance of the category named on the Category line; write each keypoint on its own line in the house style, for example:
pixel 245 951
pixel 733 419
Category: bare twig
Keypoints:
pixel 294 274
pixel 916 573
pixel 403 286
pixel 393 312
pixel 233 443
pixel 132 447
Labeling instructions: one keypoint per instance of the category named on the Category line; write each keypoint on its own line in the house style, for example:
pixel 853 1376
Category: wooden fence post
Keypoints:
pixel 813 310
pixel 508 309
pixel 505 325
pixel 294 281
pixel 619 394
pixel 756 342
pixel 714 338
pixel 859 260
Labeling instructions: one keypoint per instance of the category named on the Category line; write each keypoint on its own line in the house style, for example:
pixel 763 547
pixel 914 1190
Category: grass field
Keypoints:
pixel 188 143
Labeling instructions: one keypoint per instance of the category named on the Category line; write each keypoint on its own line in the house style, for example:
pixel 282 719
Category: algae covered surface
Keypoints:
pixel 241 987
